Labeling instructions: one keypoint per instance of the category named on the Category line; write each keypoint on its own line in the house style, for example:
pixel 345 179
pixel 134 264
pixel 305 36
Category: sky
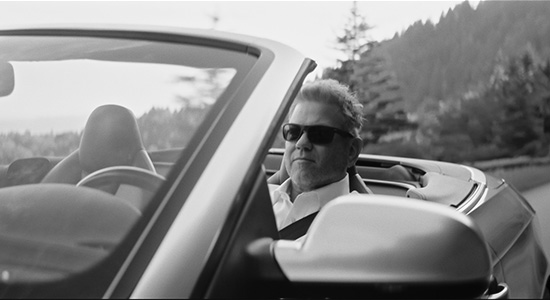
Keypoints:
pixel 310 27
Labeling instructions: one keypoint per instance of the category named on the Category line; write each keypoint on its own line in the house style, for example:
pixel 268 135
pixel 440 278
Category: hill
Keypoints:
pixel 458 54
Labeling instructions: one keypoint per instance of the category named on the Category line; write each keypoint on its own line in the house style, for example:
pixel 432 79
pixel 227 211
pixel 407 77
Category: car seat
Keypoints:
pixel 111 137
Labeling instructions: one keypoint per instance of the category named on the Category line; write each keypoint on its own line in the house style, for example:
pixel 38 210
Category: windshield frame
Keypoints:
pixel 192 159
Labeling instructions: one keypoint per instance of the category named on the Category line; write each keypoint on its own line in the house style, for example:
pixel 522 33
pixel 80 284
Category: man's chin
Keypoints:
pixel 305 182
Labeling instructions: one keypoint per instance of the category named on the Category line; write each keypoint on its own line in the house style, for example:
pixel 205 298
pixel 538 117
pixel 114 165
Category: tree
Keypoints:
pixel 380 94
pixel 352 43
pixel 342 73
pixel 366 73
pixel 506 117
pixel 523 91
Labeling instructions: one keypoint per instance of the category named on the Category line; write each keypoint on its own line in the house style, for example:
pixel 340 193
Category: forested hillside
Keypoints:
pixel 459 53
pixel 160 129
pixel 473 86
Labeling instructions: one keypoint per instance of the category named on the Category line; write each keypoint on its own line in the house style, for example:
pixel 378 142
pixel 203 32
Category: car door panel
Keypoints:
pixel 511 236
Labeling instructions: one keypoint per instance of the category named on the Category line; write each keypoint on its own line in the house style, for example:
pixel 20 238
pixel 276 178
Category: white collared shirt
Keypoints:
pixel 306 203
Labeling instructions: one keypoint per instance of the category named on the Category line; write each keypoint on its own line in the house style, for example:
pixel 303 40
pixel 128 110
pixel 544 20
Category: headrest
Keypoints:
pixel 111 137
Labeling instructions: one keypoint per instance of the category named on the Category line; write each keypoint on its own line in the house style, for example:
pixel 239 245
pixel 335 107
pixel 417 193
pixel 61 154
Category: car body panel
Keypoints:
pixel 514 240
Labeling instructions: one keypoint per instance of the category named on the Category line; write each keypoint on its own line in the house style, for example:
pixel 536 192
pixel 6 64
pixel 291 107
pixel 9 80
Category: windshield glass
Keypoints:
pixel 90 128
pixel 54 94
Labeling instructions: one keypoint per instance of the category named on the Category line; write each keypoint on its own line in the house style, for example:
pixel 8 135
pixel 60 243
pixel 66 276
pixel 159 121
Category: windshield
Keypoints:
pixel 90 128
pixel 59 81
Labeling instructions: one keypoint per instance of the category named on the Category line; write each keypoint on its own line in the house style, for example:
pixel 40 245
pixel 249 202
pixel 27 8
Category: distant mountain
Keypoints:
pixel 459 53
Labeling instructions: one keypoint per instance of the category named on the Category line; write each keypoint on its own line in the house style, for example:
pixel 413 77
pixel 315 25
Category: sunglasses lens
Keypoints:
pixel 316 134
pixel 291 132
pixel 320 134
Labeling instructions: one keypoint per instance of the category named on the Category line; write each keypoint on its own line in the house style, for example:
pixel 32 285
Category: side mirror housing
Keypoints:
pixel 383 246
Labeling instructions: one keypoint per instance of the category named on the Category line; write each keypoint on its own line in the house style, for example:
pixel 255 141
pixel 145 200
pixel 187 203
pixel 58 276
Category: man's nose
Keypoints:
pixel 303 142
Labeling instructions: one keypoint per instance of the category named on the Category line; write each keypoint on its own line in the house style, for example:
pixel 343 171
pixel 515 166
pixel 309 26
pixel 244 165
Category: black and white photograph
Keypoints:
pixel 275 149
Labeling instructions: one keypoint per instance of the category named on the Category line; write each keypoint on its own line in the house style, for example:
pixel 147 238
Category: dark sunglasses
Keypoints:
pixel 316 134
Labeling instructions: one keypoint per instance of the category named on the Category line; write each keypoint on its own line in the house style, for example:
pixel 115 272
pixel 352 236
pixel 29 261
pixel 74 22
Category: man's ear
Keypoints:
pixel 355 149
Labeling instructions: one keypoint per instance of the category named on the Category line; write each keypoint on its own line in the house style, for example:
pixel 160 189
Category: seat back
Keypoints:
pixel 356 183
pixel 111 137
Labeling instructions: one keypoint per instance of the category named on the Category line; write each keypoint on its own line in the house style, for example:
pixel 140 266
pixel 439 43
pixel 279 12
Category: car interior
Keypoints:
pixel 111 137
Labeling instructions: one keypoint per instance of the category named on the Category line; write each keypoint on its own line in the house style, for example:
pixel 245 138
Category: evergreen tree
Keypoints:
pixel 507 117
pixel 354 40
pixel 365 72
pixel 352 43
pixel 523 91
pixel 445 60
pixel 380 95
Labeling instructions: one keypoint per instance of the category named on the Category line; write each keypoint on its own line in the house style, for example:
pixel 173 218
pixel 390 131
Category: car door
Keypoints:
pixel 231 271
pixel 510 226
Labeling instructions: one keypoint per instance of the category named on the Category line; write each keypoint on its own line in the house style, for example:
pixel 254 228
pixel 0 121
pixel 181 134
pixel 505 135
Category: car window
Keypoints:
pixel 54 94
pixel 90 128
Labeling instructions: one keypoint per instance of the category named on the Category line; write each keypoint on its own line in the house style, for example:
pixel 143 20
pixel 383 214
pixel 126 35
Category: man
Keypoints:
pixel 322 141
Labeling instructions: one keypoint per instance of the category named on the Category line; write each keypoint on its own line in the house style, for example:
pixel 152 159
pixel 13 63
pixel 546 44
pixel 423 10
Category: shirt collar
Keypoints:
pixel 323 194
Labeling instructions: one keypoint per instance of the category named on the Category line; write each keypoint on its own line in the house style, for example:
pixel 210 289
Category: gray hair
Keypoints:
pixel 330 91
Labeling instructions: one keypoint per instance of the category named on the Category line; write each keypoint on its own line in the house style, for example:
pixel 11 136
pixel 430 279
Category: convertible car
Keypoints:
pixel 135 163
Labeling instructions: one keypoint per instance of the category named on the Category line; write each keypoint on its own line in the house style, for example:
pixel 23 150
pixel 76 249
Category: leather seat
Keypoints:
pixel 111 137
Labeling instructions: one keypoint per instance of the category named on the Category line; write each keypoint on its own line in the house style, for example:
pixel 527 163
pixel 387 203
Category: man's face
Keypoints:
pixel 309 165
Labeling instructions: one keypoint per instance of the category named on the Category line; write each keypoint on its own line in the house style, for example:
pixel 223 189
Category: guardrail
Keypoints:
pixel 522 172
pixel 510 163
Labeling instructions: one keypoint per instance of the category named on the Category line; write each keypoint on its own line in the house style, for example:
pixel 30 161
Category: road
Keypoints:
pixel 540 200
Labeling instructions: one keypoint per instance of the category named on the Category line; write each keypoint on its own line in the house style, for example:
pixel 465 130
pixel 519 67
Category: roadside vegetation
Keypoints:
pixel 473 87
pixel 160 129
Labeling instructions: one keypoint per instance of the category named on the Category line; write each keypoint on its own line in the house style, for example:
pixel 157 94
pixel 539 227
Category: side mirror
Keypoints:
pixel 383 246
pixel 7 79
